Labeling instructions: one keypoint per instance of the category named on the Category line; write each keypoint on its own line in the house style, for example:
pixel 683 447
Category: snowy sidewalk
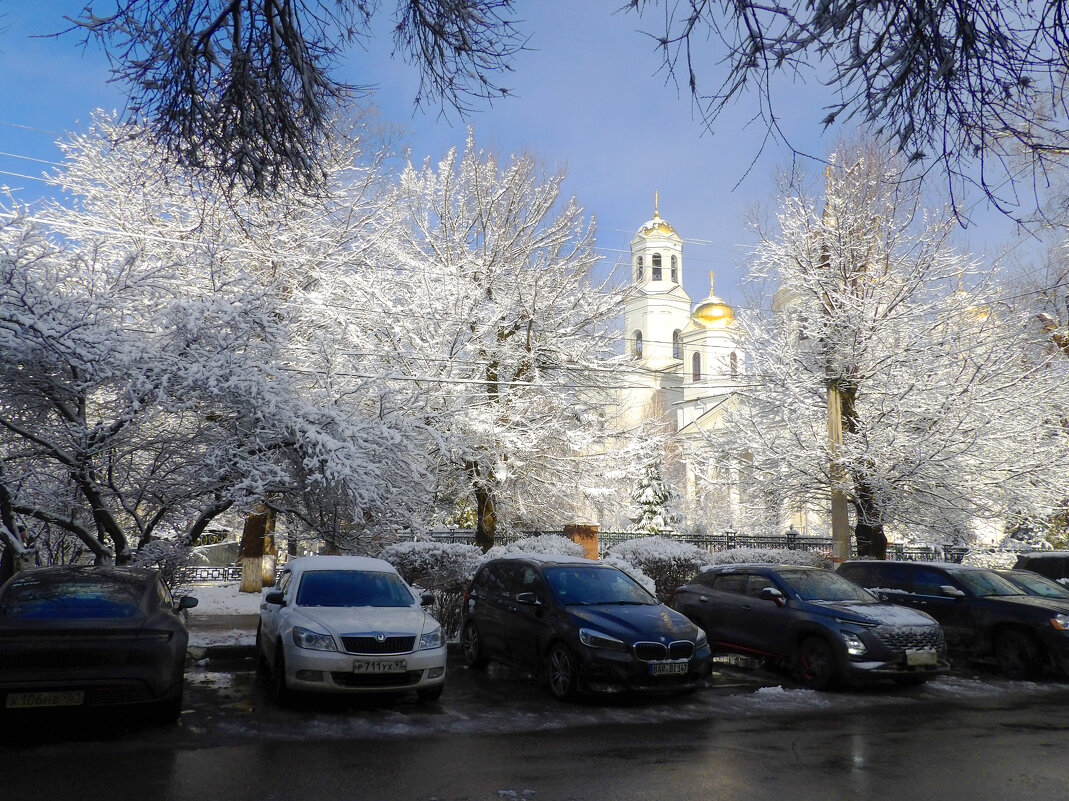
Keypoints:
pixel 223 623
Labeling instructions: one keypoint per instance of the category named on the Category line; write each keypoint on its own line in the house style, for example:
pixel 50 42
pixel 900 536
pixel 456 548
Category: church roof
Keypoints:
pixel 657 226
pixel 712 312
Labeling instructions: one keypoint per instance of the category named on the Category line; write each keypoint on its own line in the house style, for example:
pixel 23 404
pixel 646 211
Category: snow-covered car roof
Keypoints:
pixel 363 563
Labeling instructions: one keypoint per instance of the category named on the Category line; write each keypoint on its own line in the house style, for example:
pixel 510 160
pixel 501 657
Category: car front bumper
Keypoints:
pixel 338 672
pixel 603 670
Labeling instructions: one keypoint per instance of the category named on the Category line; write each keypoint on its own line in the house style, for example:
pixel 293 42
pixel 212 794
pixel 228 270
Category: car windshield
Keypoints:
pixel 984 583
pixel 79 597
pixel 353 588
pixel 590 586
pixel 1037 584
pixel 824 585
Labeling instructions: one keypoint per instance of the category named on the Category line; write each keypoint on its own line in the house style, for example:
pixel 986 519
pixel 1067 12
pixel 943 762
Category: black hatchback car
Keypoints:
pixel 89 637
pixel 983 614
pixel 582 624
pixel 825 628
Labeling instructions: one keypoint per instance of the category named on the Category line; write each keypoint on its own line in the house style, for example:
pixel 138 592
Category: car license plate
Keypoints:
pixel 668 668
pixel 381 666
pixel 921 657
pixel 36 700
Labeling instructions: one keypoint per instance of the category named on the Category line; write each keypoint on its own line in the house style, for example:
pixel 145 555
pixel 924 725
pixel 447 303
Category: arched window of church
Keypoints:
pixel 734 359
pixel 655 270
pixel 675 270
pixel 638 269
pixel 638 344
pixel 677 345
pixel 696 367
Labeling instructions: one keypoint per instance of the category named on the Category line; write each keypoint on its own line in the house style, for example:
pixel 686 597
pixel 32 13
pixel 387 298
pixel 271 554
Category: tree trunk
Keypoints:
pixel 253 538
pixel 485 519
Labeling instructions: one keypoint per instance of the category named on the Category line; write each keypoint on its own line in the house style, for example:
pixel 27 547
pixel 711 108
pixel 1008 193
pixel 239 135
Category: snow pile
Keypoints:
pixel 542 544
pixel 223 599
pixel 766 556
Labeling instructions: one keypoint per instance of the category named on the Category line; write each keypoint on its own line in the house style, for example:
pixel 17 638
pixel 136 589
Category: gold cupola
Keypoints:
pixel 657 226
pixel 712 312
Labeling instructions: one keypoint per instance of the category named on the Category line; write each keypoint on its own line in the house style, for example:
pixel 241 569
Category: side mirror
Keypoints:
pixel 772 594
pixel 951 592
pixel 528 598
pixel 186 602
pixel 275 598
pixel 426 599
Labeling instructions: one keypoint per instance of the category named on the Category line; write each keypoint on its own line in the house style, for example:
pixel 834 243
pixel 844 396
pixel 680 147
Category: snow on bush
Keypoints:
pixel 170 558
pixel 669 563
pixel 992 558
pixel 446 568
pixel 542 544
pixel 766 556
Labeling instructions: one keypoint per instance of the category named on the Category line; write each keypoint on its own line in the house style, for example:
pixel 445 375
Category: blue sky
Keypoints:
pixel 587 98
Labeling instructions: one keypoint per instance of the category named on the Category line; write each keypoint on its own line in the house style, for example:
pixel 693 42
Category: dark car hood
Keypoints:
pixel 1057 605
pixel 882 614
pixel 631 623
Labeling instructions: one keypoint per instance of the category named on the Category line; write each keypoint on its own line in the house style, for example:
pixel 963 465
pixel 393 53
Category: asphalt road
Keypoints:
pixel 499 736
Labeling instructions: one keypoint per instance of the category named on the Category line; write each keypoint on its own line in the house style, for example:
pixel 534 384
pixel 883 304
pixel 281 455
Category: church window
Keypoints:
pixel 696 367
pixel 675 270
pixel 655 270
pixel 677 345
pixel 638 344
pixel 638 265
pixel 734 360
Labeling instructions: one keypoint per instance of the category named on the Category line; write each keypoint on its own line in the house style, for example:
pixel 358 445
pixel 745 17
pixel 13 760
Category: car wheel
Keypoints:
pixel 562 674
pixel 279 688
pixel 472 646
pixel 1018 655
pixel 429 694
pixel 815 662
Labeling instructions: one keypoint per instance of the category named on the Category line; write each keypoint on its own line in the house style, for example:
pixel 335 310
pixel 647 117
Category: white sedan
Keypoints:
pixel 348 624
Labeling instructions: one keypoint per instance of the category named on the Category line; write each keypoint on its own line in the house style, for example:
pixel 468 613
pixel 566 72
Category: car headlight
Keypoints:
pixel 313 640
pixel 595 639
pixel 432 639
pixel 1060 622
pixel 854 645
pixel 702 638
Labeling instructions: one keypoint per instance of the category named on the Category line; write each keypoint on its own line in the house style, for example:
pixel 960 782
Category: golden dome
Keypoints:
pixel 713 312
pixel 657 225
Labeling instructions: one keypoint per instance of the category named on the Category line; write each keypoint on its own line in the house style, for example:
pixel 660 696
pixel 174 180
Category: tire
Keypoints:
pixel 815 662
pixel 561 672
pixel 280 690
pixel 471 644
pixel 1018 654
pixel 429 694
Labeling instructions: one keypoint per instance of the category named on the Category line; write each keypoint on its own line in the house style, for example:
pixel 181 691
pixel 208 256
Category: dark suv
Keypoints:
pixel 814 621
pixel 983 614
pixel 584 624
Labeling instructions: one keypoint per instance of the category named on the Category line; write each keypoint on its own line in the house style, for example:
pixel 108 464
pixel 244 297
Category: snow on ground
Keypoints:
pixel 224 600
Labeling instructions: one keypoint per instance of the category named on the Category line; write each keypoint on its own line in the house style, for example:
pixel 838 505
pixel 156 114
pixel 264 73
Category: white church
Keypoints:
pixel 689 364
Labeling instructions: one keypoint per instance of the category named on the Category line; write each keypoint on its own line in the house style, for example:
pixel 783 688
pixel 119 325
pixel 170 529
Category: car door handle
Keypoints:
pixel 703 599
pixel 746 607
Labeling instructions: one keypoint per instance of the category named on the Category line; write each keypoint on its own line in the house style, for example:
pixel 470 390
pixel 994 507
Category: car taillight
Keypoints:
pixel 467 595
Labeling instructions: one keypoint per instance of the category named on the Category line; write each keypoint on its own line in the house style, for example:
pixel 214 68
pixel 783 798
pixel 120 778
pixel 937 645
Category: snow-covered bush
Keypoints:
pixel 446 568
pixel 992 558
pixel 543 543
pixel 669 563
pixel 767 556
pixel 170 558
pixel 634 572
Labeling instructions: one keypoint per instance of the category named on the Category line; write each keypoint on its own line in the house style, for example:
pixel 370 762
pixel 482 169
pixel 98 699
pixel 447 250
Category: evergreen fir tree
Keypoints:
pixel 654 499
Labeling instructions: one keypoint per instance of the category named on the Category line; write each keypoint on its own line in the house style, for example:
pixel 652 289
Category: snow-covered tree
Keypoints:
pixel 165 354
pixel 653 499
pixel 948 412
pixel 497 322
